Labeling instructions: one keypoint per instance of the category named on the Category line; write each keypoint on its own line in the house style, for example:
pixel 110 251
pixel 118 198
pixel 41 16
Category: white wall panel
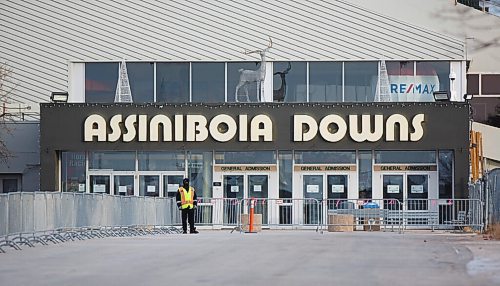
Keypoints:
pixel 39 38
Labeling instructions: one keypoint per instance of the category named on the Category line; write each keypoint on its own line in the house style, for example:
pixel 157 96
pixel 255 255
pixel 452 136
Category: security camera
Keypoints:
pixel 453 76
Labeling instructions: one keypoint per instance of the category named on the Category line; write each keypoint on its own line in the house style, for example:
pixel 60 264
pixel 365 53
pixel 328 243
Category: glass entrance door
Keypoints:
pixel 244 186
pixel 123 185
pixel 337 192
pixel 331 190
pixel 417 191
pixel 413 188
pixel 393 188
pixel 233 188
pixel 119 183
pixel 258 188
pixel 171 184
pixel 100 184
pixel 312 186
pixel 417 194
pixel 149 185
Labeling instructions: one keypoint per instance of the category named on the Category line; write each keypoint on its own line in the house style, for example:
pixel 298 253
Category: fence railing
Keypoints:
pixel 215 212
pixel 366 214
pixel 444 213
pixel 41 217
pixel 285 213
pixel 386 214
pixel 492 194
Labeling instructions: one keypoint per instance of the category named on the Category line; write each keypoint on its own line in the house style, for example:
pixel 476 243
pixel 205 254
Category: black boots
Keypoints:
pixel 193 231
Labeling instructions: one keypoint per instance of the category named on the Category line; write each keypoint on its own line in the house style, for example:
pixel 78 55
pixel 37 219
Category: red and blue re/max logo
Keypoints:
pixel 420 88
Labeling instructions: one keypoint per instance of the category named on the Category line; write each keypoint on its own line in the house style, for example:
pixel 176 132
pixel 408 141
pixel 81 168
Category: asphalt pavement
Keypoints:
pixel 266 258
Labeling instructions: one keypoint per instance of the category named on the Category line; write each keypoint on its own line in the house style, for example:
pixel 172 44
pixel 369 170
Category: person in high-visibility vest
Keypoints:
pixel 187 202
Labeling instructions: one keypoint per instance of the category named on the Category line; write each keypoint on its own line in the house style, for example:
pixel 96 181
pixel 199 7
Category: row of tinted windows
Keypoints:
pixel 200 165
pixel 175 161
pixel 213 82
pixel 490 84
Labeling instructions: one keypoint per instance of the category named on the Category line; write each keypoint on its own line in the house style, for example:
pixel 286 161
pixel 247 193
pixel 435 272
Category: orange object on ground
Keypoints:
pixel 250 223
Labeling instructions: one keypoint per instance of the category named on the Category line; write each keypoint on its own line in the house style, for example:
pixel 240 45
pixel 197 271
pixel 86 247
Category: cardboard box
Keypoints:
pixel 341 222
pixel 257 222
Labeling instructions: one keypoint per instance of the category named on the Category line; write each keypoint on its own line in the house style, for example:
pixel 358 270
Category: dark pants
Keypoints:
pixel 187 215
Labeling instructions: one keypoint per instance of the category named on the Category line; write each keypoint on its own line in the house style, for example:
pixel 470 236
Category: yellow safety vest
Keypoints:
pixel 186 197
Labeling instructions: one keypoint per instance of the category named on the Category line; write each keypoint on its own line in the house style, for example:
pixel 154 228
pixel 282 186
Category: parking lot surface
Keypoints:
pixel 266 258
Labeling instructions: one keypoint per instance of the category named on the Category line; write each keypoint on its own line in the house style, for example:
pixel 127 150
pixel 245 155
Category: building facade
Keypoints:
pixel 248 99
pixel 478 29
pixel 264 150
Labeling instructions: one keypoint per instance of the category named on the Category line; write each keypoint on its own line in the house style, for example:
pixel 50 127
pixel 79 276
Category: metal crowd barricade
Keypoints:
pixel 168 207
pixel 27 219
pixel 231 211
pixel 283 213
pixel 53 217
pixel 215 212
pixel 421 213
pixel 276 213
pixel 443 214
pixel 4 215
pixel 460 213
pixel 207 209
pixel 365 214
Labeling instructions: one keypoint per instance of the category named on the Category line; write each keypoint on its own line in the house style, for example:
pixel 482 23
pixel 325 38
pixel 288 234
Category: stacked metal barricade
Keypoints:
pixel 493 197
pixel 27 219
